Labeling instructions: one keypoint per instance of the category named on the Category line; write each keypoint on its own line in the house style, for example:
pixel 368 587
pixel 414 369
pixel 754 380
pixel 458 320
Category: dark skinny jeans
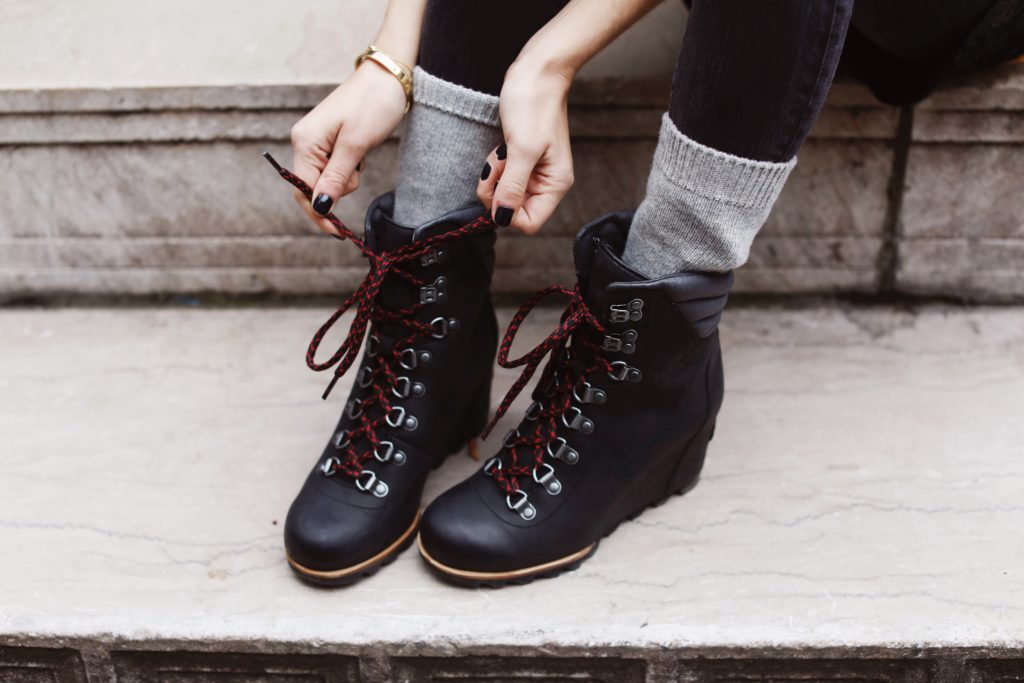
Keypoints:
pixel 750 80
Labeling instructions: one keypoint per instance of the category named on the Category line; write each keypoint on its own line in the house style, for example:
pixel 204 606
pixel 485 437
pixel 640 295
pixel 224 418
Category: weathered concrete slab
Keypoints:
pixel 142 135
pixel 148 189
pixel 161 190
pixel 64 44
pixel 859 514
pixel 961 226
pixel 999 88
pixel 963 222
pixel 205 214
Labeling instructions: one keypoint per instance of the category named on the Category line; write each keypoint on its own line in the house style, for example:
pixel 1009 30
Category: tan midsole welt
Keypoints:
pixel 338 573
pixel 504 576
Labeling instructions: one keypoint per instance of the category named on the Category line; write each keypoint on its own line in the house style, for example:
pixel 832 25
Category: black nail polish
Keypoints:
pixel 502 151
pixel 486 171
pixel 503 216
pixel 322 204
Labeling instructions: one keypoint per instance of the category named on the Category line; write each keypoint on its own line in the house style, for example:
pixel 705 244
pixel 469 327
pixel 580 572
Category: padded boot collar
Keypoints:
pixel 699 297
pixel 383 232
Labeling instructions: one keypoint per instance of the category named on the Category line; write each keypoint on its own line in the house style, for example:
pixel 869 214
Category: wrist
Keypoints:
pixel 546 54
pixel 401 72
pixel 391 42
pixel 542 67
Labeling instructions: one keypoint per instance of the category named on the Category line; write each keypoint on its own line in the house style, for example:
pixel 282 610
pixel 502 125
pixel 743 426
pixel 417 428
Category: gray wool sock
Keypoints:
pixel 702 208
pixel 450 132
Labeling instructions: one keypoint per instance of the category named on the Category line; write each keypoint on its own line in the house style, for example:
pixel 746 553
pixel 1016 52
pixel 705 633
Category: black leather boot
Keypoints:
pixel 421 391
pixel 621 420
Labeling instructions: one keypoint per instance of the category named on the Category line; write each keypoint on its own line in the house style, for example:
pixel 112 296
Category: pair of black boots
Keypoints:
pixel 622 415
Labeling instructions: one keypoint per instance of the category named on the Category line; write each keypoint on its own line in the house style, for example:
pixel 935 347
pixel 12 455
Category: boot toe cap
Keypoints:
pixel 324 534
pixel 460 531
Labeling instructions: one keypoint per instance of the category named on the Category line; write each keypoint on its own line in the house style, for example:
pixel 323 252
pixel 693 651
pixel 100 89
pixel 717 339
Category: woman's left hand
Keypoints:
pixel 523 180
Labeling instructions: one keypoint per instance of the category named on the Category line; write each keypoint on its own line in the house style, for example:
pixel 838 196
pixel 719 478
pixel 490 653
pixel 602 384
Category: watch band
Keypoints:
pixel 398 69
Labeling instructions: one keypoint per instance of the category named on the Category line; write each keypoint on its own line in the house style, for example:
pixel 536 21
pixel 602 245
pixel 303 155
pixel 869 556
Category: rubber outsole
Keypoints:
pixel 346 576
pixel 548 570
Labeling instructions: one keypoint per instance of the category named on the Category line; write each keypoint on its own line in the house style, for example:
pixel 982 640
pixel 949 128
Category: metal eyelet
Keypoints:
pixel 389 453
pixel 442 326
pixel 510 438
pixel 435 255
pixel 372 345
pixel 410 358
pixel 521 505
pixel 341 440
pixel 328 467
pixel 624 343
pixel 620 313
pixel 397 417
pixel 365 377
pixel 552 387
pixel 354 408
pixel 547 479
pixel 405 387
pixel 578 421
pixel 491 465
pixel 590 394
pixel 435 293
pixel 533 411
pixel 371 483
pixel 621 372
pixel 563 452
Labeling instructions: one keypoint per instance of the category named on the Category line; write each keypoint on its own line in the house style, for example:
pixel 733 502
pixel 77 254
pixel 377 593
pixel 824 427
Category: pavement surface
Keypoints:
pixel 864 489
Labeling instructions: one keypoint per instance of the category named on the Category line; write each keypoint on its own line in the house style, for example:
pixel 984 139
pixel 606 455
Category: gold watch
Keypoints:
pixel 399 70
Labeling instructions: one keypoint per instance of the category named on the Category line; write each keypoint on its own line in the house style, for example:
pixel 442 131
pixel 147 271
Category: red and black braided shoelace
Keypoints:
pixel 383 378
pixel 526 447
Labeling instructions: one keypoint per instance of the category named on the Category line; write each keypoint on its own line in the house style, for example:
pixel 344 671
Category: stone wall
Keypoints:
pixel 189 662
pixel 110 188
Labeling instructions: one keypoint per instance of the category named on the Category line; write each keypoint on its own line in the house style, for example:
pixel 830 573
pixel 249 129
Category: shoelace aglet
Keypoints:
pixel 293 179
pixel 490 425
pixel 330 386
pixel 273 162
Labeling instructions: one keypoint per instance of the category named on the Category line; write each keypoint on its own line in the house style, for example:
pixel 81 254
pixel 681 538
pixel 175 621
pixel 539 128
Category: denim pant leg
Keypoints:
pixel 752 75
pixel 473 42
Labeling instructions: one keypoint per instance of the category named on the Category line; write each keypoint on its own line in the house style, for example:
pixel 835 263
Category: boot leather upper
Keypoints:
pixel 641 429
pixel 332 524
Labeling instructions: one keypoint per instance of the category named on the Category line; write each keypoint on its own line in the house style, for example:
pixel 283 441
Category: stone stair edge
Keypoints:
pixel 999 88
pixel 609 91
pixel 467 645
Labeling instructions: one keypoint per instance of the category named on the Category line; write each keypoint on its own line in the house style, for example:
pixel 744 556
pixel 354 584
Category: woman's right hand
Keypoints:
pixel 331 140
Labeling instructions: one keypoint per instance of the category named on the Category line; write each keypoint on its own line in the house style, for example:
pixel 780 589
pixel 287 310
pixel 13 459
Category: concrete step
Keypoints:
pixel 859 518
pixel 163 190
pixel 152 144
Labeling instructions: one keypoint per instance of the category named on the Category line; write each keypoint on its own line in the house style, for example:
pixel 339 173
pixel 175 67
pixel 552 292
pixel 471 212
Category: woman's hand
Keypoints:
pixel 330 141
pixel 523 180
pixel 537 171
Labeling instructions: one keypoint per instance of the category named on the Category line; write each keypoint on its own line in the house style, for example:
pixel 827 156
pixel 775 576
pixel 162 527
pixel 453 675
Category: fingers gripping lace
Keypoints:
pixel 367 310
pixel 526 447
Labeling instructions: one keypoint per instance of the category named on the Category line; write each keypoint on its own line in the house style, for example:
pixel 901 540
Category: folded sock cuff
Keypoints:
pixel 702 209
pixel 437 93
pixel 715 175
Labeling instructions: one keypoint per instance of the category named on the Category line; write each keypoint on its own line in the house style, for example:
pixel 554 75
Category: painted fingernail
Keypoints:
pixel 503 216
pixel 486 171
pixel 322 204
pixel 501 152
